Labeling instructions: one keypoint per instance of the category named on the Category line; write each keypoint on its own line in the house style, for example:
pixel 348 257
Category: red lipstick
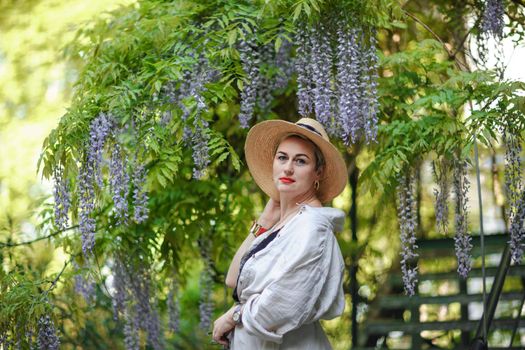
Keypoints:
pixel 286 180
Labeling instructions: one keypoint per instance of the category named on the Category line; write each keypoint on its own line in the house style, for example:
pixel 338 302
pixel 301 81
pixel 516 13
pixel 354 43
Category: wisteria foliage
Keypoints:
pixel 406 209
pixel 462 238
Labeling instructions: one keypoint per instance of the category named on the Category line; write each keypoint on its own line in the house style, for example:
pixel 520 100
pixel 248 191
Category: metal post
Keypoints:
pixel 353 268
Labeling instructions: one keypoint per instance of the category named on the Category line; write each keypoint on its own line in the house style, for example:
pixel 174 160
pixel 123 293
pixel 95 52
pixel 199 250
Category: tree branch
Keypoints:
pixel 10 245
pixel 53 284
pixel 451 55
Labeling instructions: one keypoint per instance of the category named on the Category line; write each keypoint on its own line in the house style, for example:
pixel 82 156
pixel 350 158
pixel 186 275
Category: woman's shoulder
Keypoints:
pixel 332 218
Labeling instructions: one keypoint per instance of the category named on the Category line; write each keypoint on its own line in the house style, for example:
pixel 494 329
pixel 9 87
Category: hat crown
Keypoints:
pixel 314 126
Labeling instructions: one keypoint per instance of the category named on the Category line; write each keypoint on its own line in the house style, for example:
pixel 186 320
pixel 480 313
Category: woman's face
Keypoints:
pixel 294 171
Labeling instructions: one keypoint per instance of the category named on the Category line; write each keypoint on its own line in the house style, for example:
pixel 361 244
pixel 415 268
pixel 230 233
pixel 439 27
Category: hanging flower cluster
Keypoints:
pixel 119 183
pixel 440 170
pixel 47 338
pixel 462 238
pixel 84 285
pixel 102 131
pixel 515 192
pixel 266 71
pixel 321 63
pixel 189 92
pixel 134 301
pixel 406 209
pixel 89 175
pixel 250 64
pixel 173 304
pixel 493 22
pixel 340 85
pixel 284 65
pixel 62 198
pixel 206 286
pixel 140 196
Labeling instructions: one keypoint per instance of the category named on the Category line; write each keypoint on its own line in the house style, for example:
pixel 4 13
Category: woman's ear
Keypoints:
pixel 319 173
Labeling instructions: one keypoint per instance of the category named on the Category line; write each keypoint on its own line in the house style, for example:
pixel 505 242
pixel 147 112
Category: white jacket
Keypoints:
pixel 291 284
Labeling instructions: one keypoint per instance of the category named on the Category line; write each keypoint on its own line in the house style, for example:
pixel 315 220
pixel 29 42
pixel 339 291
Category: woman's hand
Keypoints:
pixel 271 214
pixel 222 326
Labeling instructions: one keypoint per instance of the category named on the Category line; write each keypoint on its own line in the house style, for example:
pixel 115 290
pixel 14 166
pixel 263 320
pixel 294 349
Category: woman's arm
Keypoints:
pixel 233 271
pixel 268 218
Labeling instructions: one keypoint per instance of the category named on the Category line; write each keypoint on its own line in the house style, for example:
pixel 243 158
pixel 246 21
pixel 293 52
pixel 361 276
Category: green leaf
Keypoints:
pixel 297 11
pixel 278 43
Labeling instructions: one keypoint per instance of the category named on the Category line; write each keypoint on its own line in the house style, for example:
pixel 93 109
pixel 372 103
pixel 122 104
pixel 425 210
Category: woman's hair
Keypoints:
pixel 319 157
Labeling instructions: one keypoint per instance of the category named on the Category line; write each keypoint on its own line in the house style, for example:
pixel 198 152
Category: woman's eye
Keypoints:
pixel 301 161
pixel 281 157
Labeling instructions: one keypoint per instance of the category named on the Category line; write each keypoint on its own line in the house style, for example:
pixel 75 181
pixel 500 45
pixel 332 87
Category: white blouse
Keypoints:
pixel 291 284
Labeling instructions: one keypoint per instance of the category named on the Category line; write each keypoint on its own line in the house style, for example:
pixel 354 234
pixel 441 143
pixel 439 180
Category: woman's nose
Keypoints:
pixel 288 168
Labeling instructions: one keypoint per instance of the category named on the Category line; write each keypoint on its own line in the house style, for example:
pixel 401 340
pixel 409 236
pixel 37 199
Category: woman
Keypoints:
pixel 288 272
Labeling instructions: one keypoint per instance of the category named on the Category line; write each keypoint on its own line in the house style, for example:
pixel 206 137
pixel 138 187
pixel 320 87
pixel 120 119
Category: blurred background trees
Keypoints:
pixel 151 193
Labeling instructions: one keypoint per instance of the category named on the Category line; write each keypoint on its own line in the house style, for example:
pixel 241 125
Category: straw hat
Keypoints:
pixel 261 144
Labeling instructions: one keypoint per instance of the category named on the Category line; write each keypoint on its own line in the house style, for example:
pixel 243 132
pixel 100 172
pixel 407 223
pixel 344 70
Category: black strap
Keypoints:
pixel 263 244
pixel 311 128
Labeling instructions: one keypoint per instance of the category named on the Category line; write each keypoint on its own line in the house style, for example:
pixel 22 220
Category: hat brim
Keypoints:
pixel 261 144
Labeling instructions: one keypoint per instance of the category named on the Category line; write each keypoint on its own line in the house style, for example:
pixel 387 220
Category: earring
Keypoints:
pixel 316 185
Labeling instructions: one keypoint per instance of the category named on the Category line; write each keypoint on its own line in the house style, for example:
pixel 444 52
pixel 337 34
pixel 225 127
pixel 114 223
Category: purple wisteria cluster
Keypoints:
pixel 250 61
pixel 103 130
pixel 62 198
pixel 134 301
pixel 173 305
pixel 86 204
pixel 441 172
pixel 304 73
pixel 205 303
pixel 339 84
pixel 406 209
pixel 188 95
pixel 266 83
pixel 47 338
pixel 284 65
pixel 89 175
pixel 84 285
pixel 119 183
pixel 266 71
pixel 462 238
pixel 199 141
pixel 515 192
pixel 493 22
pixel 100 129
pixel 206 286
pixel 321 59
pixel 140 195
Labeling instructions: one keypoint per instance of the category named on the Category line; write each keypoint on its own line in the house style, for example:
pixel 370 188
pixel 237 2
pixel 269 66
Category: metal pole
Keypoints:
pixel 353 268
pixel 482 237
pixel 497 287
